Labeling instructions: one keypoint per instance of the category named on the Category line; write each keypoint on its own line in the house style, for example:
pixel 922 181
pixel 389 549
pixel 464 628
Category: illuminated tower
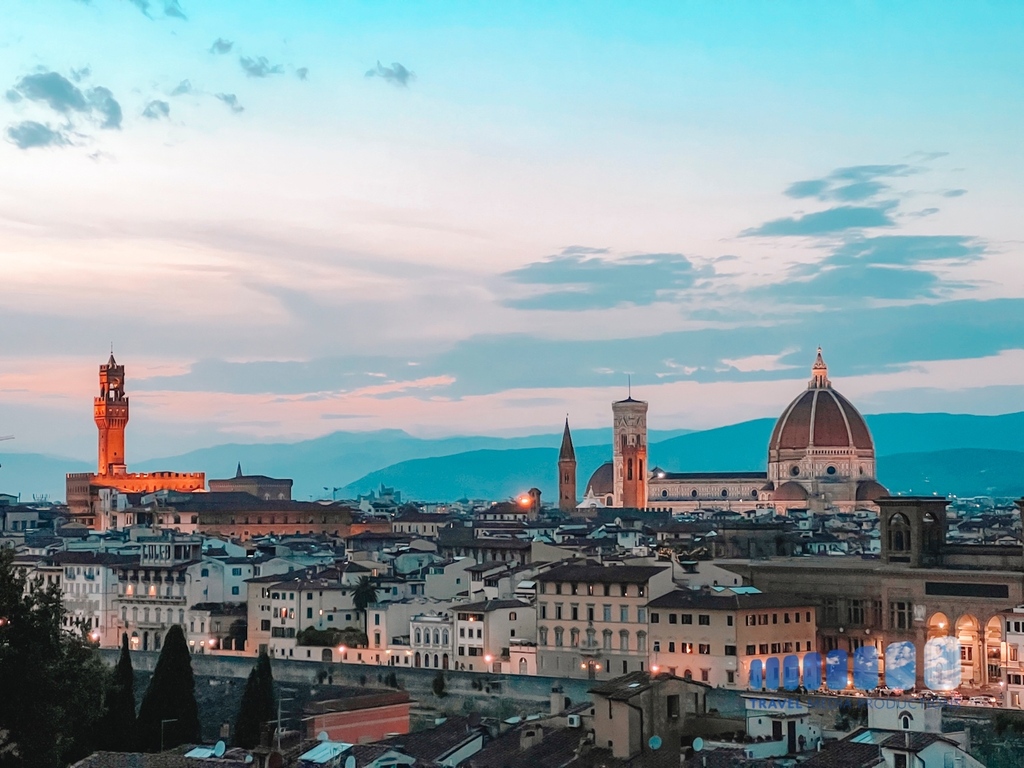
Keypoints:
pixel 629 432
pixel 110 411
pixel 567 472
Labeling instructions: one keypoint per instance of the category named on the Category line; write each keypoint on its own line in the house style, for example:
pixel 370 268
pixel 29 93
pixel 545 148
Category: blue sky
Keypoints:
pixel 476 217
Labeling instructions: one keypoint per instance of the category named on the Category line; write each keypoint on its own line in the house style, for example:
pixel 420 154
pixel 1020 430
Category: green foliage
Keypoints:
pixel 170 697
pixel 257 706
pixel 117 729
pixel 391 680
pixel 327 638
pixel 439 687
pixel 53 681
pixel 364 595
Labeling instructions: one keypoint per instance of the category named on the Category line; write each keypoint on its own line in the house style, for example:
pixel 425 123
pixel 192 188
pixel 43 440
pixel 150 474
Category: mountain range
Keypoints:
pixel 959 454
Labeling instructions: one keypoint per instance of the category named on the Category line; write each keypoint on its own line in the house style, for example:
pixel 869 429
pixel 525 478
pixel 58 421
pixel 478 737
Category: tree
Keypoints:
pixel 257 705
pixel 364 595
pixel 440 689
pixel 53 680
pixel 169 715
pixel 117 729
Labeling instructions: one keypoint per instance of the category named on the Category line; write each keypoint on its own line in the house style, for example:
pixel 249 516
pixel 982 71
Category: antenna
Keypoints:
pixel 629 385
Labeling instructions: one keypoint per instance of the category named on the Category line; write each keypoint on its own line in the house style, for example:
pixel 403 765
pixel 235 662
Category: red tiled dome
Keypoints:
pixel 871 490
pixel 790 492
pixel 603 480
pixel 820 418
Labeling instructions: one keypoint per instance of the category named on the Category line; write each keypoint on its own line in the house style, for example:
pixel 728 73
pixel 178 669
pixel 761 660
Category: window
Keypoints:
pixel 574 612
pixel 705 675
pixel 728 620
pixel 655 618
pixel 672 647
pixel 204 572
pixel 543 633
pixel 559 633
pixel 900 614
pixel 558 611
pixel 751 649
pixel 309 613
pixel 730 650
pixel 776 648
pixel 672 706
pixel 607 637
pixel 607 609
pixel 831 611
pixel 855 612
pixel 686 618
pixel 785 618
pixel 641 615
pixel 623 640
pixel 624 613
pixel 730 676
pixel 673 619
pixel 543 610
pixel 899 760
pixel 704 620
pixel 575 588
pixel 574 638
pixel 762 648
pixel 234 590
pixel 265 625
pixel 657 646
pixel 704 648
pixel 641 642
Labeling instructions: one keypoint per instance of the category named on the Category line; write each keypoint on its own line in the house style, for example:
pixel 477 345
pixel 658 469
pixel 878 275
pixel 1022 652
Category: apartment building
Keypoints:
pixel 431 637
pixel 592 618
pixel 484 631
pixel 1012 660
pixel 89 589
pixel 712 636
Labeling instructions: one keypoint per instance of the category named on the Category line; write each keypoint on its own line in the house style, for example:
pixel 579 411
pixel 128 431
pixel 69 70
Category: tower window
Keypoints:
pixel 629 469
pixel 725 493
pixel 693 493
pixel 794 470
pixel 664 494
pixel 830 470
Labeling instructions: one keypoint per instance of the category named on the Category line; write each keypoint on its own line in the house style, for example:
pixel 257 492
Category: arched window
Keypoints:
pixel 543 635
pixel 437 637
pixel 607 639
pixel 559 633
pixel 905 721
pixel 574 637
pixel 629 469
pixel 444 636
pixel 623 640
pixel 419 638
pixel 591 637
pixel 512 616
pixel 522 665
pixel 641 642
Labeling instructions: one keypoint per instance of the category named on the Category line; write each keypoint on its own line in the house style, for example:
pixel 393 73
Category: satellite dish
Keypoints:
pixel 248 759
pixel 219 748
pixel 322 736
pixel 698 744
pixel 350 761
pixel 654 742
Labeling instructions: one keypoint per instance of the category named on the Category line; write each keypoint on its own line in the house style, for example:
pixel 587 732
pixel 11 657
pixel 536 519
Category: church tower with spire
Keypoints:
pixel 110 412
pixel 567 472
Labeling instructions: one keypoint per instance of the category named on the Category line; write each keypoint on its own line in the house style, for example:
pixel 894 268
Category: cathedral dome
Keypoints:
pixel 790 492
pixel 602 482
pixel 820 418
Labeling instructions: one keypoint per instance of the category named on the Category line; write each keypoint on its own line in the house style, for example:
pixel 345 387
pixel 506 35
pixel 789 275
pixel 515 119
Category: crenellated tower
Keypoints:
pixel 110 411
pixel 567 472
pixel 629 456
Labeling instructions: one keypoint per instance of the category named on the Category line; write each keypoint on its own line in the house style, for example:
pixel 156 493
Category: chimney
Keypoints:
pixel 557 699
pixel 530 736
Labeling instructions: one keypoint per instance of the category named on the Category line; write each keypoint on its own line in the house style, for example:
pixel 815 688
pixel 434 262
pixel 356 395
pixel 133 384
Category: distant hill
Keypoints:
pixel 917 453
pixel 498 467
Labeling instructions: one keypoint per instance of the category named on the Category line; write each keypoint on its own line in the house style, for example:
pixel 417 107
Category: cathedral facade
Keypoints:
pixel 820 457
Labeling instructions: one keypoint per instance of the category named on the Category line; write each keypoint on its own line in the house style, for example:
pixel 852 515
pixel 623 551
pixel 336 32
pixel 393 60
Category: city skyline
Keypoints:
pixel 462 219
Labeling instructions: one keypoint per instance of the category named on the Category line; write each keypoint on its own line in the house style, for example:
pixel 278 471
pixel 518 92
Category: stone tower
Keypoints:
pixel 567 472
pixel 629 455
pixel 110 412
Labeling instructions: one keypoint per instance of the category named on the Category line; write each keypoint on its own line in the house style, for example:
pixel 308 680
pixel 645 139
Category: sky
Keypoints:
pixel 474 218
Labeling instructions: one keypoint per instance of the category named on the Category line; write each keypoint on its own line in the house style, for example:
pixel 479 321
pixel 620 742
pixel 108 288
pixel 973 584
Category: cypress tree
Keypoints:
pixel 257 706
pixel 117 730
pixel 170 697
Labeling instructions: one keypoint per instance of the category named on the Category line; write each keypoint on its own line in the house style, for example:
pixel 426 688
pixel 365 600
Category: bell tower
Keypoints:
pixel 567 472
pixel 110 412
pixel 629 455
